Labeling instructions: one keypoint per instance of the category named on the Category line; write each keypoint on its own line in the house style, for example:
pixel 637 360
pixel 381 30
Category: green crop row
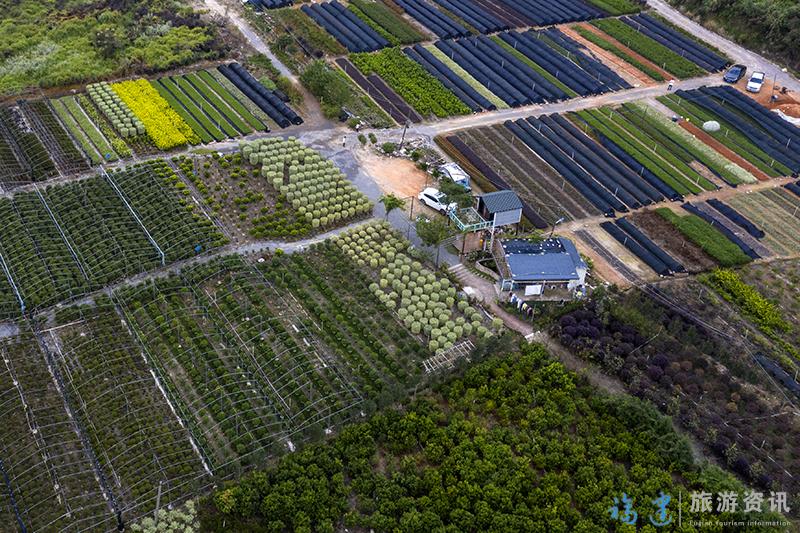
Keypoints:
pixel 231 100
pixel 89 128
pixel 766 315
pixel 380 30
pixel 659 122
pixel 617 51
pixel 707 237
pixel 644 45
pixel 664 152
pixel 617 7
pixel 422 91
pixel 728 135
pixel 218 103
pixel 198 128
pixel 647 159
pixel 385 18
pixel 76 131
pixel 220 121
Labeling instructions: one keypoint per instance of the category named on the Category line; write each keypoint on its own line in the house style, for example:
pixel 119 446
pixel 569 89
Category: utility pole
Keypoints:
pixel 405 129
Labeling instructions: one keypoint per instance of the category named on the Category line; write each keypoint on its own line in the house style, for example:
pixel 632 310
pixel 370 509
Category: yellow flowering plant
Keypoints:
pixel 163 125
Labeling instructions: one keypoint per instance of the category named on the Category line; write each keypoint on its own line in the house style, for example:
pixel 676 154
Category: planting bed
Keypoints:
pixel 60 146
pixel 776 212
pixel 316 189
pixel 426 94
pixel 352 32
pixel 243 200
pixel 498 67
pixel 425 302
pixel 49 470
pixel 240 361
pixel 438 22
pixel 84 104
pixel 137 439
pixel 673 241
pixel 249 106
pixel 677 41
pixel 115 110
pixel 707 237
pixel 606 43
pixel 662 157
pixel 384 96
pixel 30 153
pixel 561 57
pixel 163 125
pixel 386 22
pixel 659 54
pixel 549 195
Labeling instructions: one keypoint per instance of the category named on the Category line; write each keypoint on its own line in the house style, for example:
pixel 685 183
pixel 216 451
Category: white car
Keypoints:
pixel 435 199
pixel 755 82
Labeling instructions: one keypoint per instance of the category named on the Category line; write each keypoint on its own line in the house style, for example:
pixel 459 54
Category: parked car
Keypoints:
pixel 437 200
pixel 735 73
pixel 756 81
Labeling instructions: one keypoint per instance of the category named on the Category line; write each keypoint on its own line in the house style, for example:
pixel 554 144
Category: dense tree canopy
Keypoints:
pixel 517 444
pixel 771 25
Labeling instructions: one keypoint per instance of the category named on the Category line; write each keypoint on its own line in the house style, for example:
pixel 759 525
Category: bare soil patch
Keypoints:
pixel 627 50
pixel 630 73
pixel 667 236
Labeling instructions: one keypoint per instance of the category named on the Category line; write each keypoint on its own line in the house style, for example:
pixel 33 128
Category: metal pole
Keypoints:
pixel 158 502
pixel 405 129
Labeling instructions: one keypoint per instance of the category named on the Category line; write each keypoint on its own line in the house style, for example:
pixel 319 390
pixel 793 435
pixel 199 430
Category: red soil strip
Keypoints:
pixel 599 32
pixel 724 150
pixel 614 62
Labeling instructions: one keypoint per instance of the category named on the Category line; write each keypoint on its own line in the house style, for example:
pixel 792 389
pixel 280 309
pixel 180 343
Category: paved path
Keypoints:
pixel 250 34
pixel 575 104
pixel 739 54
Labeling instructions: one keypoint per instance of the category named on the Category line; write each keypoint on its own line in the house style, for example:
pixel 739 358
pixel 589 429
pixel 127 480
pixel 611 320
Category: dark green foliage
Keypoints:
pixel 771 25
pixel 707 237
pixel 517 444
pixel 49 43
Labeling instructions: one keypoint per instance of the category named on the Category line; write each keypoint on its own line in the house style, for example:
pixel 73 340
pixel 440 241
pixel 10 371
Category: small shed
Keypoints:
pixel 501 208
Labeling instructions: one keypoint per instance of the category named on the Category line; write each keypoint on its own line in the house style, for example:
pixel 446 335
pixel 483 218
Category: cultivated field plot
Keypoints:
pixel 414 85
pixel 43 461
pixel 243 200
pixel 136 438
pixel 269 101
pixel 317 190
pixel 240 360
pixel 711 384
pixel 88 137
pixel 776 212
pixel 67 240
pixel 199 101
pixel 343 24
pixel 675 243
pixel 540 187
pixel 24 158
pixel 56 140
pixel 451 19
pixel 747 128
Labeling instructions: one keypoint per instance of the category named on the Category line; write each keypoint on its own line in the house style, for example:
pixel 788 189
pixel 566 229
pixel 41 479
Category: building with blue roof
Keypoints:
pixel 533 266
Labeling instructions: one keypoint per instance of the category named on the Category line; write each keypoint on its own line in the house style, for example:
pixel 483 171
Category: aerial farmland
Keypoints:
pixel 399 265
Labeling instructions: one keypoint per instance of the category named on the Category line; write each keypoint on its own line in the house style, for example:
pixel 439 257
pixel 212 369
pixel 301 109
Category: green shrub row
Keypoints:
pixel 231 100
pixel 206 135
pixel 644 45
pixel 765 314
pixel 617 51
pixel 413 83
pixel 707 237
